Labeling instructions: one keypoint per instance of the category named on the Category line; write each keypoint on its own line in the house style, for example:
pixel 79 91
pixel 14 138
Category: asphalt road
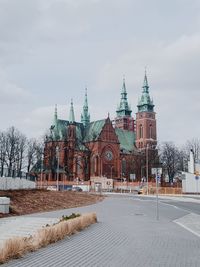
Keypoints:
pixel 188 206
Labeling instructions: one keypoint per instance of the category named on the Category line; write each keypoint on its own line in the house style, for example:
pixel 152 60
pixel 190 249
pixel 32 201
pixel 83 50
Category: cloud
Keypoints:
pixel 49 49
pixel 11 93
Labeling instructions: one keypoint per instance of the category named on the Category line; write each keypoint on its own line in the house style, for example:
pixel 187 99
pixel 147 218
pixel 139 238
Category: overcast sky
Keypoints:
pixel 51 49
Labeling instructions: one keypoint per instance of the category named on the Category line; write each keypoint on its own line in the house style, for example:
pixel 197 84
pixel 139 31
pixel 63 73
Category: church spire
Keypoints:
pixel 55 114
pixel 85 116
pixel 123 108
pixel 145 103
pixel 145 84
pixel 71 114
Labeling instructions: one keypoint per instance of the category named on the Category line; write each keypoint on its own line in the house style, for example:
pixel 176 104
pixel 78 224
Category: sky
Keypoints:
pixel 50 50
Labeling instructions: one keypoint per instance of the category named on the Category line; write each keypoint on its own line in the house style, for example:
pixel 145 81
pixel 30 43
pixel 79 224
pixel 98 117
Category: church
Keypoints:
pixel 103 148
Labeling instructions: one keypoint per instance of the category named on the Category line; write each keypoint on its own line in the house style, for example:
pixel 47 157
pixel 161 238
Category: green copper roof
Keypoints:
pixel 145 103
pixel 71 113
pixel 93 130
pixel 85 116
pixel 126 139
pixel 123 108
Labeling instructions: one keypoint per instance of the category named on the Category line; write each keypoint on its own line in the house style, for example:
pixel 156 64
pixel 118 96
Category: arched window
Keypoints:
pixel 78 165
pixel 141 131
pixel 123 167
pixel 93 165
pixel 150 131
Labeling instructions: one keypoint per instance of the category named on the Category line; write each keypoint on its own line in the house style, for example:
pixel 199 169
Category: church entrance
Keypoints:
pixel 108 170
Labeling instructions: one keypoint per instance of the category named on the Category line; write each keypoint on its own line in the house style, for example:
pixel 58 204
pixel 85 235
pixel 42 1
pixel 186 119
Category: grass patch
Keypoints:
pixel 72 216
pixel 16 247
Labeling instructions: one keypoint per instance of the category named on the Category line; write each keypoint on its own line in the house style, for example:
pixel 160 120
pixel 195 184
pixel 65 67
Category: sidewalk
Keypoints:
pixel 22 226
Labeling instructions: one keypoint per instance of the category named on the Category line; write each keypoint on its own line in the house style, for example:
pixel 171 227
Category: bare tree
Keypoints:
pixel 193 144
pixel 20 153
pixel 170 157
pixel 2 152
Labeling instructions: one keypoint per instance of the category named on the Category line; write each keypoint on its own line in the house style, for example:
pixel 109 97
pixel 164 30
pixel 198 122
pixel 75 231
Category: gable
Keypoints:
pixel 108 133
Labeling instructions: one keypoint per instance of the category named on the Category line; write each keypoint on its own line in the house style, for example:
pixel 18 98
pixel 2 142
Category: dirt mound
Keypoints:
pixel 37 200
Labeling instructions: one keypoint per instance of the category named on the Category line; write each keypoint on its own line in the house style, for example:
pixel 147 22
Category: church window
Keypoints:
pixel 123 167
pixel 141 131
pixel 150 131
pixel 78 165
pixel 93 165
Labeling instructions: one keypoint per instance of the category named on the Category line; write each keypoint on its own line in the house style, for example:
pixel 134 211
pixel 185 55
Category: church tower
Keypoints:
pixel 85 116
pixel 124 120
pixel 145 119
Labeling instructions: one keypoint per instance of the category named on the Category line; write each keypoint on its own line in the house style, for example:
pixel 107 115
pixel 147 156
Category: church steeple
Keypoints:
pixel 55 115
pixel 85 116
pixel 123 109
pixel 145 103
pixel 145 119
pixel 145 84
pixel 71 113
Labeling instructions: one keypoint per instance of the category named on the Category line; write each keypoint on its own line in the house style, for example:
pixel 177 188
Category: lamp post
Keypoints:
pixel 57 155
pixel 41 174
pixel 147 168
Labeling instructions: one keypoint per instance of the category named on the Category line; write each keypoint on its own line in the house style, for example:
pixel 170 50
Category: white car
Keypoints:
pixel 52 188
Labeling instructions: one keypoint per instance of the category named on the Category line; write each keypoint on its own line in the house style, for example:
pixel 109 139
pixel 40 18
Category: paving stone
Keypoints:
pixel 121 238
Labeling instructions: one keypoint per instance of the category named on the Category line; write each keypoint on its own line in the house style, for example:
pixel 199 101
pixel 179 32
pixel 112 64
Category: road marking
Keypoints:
pixel 190 222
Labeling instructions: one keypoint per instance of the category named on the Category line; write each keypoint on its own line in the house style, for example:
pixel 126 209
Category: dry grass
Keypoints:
pixel 17 247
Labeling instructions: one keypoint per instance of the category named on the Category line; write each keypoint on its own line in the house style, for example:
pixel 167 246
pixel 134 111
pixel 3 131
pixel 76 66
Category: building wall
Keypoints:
pixel 190 184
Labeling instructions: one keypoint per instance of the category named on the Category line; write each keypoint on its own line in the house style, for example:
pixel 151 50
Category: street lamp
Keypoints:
pixel 41 174
pixel 147 168
pixel 57 155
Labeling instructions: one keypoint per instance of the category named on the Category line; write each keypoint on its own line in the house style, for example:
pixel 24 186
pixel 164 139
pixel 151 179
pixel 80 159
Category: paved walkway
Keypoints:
pixel 22 226
pixel 127 234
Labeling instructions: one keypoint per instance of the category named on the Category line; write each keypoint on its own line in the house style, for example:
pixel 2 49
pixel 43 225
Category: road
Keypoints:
pixel 127 234
pixel 189 204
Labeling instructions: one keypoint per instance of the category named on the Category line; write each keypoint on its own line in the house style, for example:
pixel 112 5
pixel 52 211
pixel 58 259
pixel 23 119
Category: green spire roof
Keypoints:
pixel 145 103
pixel 85 116
pixel 145 84
pixel 71 113
pixel 123 109
pixel 55 115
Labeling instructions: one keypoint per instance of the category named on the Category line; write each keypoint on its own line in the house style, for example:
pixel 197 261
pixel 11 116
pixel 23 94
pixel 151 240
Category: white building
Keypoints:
pixel 191 179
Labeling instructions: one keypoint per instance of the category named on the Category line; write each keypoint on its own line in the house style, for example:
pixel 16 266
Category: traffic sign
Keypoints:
pixel 157 171
pixel 132 176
